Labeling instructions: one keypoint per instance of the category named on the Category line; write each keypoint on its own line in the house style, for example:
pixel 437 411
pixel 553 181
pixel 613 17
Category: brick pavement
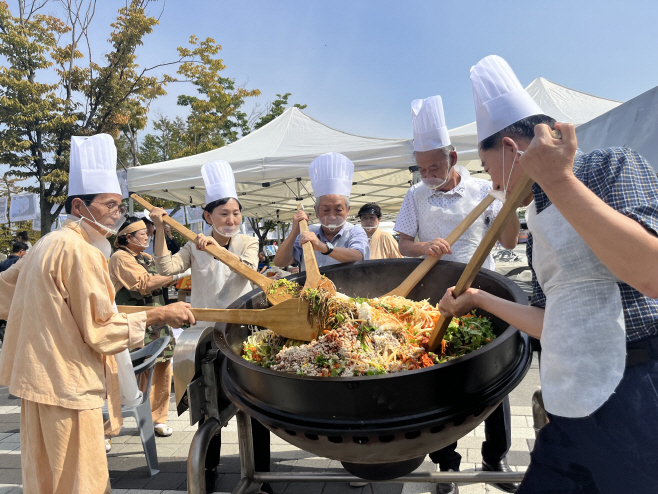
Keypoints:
pixel 129 475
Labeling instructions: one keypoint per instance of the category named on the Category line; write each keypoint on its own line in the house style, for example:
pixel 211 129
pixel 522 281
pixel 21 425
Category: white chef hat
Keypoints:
pixel 219 181
pixel 93 166
pixel 500 99
pixel 430 131
pixel 331 173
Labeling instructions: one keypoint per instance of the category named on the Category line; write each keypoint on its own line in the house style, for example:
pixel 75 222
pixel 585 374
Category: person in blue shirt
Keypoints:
pixel 334 240
pixel 18 250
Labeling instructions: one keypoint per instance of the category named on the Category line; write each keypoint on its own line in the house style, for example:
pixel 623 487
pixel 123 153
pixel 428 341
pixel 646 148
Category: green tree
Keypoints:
pixel 215 118
pixel 274 109
pixel 261 228
pixel 165 143
pixel 113 96
pixel 34 120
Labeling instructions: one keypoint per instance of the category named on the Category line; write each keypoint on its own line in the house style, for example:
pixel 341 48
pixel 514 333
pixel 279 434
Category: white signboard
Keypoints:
pixel 194 214
pixel 3 210
pixel 24 207
pixel 36 222
pixel 122 175
pixel 197 227
pixel 179 215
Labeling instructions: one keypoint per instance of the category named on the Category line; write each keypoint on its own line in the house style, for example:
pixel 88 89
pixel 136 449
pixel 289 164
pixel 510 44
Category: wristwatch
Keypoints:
pixel 330 249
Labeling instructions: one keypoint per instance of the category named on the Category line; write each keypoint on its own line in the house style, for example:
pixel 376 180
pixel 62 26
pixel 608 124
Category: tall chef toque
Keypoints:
pixel 331 173
pixel 93 166
pixel 430 131
pixel 219 181
pixel 500 99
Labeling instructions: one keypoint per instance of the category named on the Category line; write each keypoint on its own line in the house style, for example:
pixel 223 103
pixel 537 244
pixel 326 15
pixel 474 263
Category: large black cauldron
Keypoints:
pixel 380 426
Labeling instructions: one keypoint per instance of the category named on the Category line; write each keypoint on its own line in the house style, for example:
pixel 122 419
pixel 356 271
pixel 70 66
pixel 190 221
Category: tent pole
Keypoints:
pixel 131 206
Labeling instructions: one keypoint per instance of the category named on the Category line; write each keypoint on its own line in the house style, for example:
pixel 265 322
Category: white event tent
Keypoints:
pixel 271 164
pixel 633 125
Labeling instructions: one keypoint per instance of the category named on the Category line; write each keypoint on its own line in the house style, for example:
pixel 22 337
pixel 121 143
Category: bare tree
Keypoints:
pixel 79 24
pixel 31 8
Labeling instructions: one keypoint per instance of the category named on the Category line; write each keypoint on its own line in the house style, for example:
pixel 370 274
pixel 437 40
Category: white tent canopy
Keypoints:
pixel 633 125
pixel 271 164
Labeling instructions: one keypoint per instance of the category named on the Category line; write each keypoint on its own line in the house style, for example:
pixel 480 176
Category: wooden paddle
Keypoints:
pixel 403 289
pixel 273 296
pixel 521 190
pixel 313 277
pixel 289 318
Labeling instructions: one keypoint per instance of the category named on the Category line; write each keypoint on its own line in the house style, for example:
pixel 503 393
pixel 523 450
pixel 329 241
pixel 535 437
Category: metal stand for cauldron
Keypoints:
pixel 196 480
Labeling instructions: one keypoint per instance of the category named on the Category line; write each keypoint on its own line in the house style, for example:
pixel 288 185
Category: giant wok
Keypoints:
pixel 380 426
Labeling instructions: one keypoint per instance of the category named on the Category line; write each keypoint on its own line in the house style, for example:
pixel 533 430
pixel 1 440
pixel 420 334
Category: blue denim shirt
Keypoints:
pixel 349 236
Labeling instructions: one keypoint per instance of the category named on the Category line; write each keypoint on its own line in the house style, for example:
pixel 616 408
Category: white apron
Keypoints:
pixel 431 215
pixel 214 285
pixel 584 338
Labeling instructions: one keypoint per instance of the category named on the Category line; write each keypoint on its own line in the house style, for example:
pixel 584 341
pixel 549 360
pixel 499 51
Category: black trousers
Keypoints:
pixel 497 440
pixel 261 442
pixel 613 450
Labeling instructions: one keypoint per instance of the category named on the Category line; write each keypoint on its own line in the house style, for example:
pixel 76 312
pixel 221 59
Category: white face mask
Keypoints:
pixel 369 227
pixel 436 183
pixel 226 231
pixel 501 195
pixel 96 238
pixel 332 227
pixel 134 241
pixel 109 231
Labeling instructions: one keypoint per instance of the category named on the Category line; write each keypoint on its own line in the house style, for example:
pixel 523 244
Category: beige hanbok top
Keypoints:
pixel 383 246
pixel 58 303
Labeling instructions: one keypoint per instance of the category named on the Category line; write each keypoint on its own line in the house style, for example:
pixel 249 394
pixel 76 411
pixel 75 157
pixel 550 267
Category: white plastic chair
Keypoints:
pixel 142 412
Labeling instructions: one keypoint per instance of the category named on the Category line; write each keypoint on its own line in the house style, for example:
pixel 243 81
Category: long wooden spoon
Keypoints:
pixel 404 288
pixel 274 296
pixel 290 318
pixel 521 190
pixel 313 277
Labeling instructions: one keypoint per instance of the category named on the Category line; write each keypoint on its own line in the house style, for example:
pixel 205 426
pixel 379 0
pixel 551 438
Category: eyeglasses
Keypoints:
pixel 113 207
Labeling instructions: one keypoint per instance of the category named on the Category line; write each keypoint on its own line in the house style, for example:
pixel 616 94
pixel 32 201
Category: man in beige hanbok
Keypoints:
pixel 61 322
pixel 382 244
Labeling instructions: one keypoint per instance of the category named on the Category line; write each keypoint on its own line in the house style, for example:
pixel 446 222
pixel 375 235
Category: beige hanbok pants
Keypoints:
pixel 160 390
pixel 62 450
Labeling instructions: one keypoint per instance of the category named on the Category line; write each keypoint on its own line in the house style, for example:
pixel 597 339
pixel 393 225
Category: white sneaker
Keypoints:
pixel 163 430
pixel 108 444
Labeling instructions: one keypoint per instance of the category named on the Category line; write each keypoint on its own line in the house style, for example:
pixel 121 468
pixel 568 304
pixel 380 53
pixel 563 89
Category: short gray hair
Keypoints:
pixel 446 150
pixel 318 199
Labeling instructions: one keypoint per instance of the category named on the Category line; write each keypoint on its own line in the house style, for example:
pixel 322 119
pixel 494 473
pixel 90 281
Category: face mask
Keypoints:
pixel 332 227
pixel 369 227
pixel 137 242
pixel 96 238
pixel 226 231
pixel 109 231
pixel 436 183
pixel 502 195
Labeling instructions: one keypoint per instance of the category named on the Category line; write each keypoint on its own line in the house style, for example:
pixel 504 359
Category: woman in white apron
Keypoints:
pixel 215 285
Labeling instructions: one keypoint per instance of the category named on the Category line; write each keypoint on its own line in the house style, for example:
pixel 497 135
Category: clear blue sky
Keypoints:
pixel 358 64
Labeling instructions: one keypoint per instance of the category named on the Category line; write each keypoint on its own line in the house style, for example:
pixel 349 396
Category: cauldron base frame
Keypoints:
pixel 250 478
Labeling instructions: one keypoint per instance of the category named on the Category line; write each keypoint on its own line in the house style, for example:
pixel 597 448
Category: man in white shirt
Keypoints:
pixel 433 208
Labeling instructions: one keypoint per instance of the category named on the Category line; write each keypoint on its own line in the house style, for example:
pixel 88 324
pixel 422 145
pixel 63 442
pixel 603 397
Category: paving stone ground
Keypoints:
pixel 129 475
